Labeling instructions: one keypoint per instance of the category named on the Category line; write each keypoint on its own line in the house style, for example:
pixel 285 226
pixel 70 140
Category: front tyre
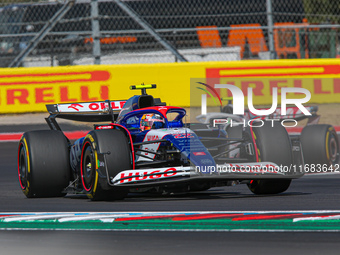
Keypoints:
pixel 114 145
pixel 43 163
pixel 320 145
pixel 273 145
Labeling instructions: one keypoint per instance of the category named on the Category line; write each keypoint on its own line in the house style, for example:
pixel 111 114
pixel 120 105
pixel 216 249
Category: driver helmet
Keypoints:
pixel 151 120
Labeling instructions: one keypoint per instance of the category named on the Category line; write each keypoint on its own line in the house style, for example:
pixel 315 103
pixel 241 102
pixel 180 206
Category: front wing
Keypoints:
pixel 248 171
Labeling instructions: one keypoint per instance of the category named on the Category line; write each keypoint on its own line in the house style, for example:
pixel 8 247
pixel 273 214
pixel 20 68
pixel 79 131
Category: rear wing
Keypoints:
pixel 89 107
pixel 101 111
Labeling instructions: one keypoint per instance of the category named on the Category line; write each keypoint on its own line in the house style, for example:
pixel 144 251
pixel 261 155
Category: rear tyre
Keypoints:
pixel 115 146
pixel 43 163
pixel 273 145
pixel 320 145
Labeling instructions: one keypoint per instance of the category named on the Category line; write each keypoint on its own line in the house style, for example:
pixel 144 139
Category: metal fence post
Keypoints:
pixel 95 32
pixel 270 29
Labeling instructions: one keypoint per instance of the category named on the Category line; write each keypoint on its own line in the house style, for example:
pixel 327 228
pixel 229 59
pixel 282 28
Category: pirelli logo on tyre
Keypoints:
pixel 92 140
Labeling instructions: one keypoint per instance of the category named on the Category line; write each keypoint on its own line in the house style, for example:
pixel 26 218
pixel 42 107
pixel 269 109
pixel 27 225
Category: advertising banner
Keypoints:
pixel 29 89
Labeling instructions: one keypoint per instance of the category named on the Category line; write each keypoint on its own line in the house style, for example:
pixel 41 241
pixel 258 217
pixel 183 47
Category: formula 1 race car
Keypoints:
pixel 145 145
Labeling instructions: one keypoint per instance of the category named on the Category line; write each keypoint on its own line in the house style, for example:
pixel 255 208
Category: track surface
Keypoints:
pixel 317 192
pixel 308 193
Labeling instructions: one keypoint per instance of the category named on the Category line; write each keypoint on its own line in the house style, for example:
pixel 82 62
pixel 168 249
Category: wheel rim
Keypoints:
pixel 333 150
pixel 88 168
pixel 23 168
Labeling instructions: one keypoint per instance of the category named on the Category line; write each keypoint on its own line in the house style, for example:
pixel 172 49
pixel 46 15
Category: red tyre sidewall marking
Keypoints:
pixel 81 168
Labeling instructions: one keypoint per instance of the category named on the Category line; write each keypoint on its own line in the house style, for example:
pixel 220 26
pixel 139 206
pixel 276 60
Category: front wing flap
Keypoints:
pixel 246 171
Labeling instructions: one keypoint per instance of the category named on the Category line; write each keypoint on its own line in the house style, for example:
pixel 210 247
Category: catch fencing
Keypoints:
pixel 82 32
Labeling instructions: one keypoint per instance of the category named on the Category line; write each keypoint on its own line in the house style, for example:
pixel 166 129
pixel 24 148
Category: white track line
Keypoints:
pixel 36 217
pixel 334 217
pixel 92 217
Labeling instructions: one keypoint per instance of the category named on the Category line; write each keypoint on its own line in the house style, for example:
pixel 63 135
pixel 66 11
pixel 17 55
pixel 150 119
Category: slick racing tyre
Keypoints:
pixel 320 145
pixel 114 144
pixel 273 145
pixel 43 163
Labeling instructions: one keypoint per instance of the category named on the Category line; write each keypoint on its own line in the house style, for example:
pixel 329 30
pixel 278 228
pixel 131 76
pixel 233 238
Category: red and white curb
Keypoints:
pixel 295 215
pixel 221 221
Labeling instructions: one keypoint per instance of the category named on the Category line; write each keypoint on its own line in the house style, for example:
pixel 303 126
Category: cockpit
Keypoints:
pixel 153 118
